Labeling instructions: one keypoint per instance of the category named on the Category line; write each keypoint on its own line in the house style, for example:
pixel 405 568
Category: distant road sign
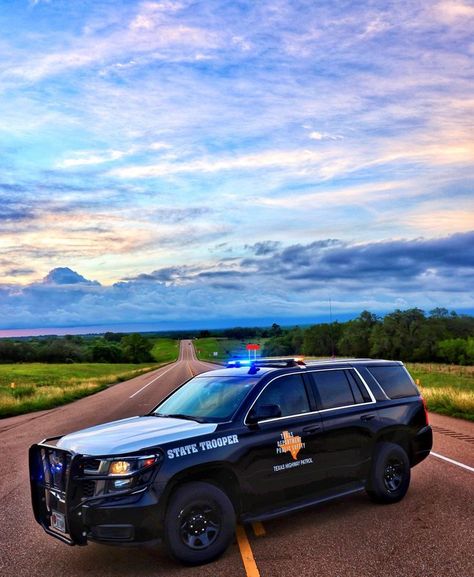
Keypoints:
pixel 253 347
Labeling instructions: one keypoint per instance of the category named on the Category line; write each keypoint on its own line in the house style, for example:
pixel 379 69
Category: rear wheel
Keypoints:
pixel 199 523
pixel 390 474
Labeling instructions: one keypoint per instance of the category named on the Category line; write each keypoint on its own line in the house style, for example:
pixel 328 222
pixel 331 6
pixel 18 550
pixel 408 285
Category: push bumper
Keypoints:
pixel 58 490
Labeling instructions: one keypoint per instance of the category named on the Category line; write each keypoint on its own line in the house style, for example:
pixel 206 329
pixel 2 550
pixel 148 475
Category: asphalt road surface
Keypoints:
pixel 429 534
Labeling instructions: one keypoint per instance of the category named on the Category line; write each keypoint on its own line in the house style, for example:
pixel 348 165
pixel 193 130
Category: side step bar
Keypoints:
pixel 251 518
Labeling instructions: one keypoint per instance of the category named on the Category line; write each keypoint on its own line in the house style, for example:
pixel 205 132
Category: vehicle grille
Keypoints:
pixel 91 466
pixel 88 488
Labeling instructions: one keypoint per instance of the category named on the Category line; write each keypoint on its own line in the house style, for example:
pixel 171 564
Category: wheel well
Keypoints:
pixel 398 437
pixel 221 477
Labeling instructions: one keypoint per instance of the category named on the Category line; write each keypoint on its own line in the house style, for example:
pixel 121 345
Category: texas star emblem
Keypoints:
pixel 290 443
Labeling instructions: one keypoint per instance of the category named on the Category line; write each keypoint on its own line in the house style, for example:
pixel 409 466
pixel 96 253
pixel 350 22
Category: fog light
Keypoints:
pixel 122 483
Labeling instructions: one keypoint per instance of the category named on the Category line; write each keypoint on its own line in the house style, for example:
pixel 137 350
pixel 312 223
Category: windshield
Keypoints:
pixel 211 399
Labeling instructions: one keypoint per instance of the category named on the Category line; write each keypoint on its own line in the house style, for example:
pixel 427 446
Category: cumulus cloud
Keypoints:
pixel 291 283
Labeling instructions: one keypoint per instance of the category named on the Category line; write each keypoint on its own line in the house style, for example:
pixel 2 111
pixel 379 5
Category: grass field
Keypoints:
pixel 165 350
pixel 225 348
pixel 448 389
pixel 29 387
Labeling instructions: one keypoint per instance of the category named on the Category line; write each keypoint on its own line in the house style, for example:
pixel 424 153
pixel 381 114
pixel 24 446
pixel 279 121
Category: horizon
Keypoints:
pixel 143 328
pixel 169 162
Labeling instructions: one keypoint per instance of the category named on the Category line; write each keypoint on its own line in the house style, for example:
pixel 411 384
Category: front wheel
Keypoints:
pixel 199 523
pixel 390 473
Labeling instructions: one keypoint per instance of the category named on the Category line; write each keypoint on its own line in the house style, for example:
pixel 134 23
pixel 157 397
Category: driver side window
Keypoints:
pixel 289 393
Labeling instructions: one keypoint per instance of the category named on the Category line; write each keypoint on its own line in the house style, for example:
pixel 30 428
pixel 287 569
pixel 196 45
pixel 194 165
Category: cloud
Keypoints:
pixel 292 282
pixel 264 247
pixel 142 136
pixel 66 276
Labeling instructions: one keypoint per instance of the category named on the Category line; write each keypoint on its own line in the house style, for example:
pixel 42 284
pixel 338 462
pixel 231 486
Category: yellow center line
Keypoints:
pixel 258 529
pixel 248 560
pixel 190 369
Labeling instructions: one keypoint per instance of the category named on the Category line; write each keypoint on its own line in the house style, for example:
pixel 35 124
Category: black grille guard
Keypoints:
pixel 57 486
pixel 64 487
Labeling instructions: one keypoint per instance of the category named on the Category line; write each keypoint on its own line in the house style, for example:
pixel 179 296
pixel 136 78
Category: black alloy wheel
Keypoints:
pixel 389 477
pixel 199 523
pixel 393 474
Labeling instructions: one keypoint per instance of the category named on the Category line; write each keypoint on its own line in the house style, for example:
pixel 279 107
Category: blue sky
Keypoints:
pixel 232 161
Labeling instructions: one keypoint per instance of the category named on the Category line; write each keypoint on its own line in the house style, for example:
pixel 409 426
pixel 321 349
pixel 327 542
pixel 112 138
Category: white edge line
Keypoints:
pixel 152 381
pixel 462 465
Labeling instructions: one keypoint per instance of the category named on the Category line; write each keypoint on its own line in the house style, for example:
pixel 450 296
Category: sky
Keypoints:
pixel 214 163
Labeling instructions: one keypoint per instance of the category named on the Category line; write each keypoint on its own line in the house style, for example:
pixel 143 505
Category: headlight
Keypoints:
pixel 131 465
pixel 122 473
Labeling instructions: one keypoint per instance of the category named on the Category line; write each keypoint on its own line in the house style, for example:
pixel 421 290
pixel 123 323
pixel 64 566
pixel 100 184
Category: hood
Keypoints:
pixel 132 434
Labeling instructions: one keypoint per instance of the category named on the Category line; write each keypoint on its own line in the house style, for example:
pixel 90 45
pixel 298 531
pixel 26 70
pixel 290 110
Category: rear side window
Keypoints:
pixel 394 380
pixel 333 389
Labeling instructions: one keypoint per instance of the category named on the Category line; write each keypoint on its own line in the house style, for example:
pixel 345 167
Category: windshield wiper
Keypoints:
pixel 181 416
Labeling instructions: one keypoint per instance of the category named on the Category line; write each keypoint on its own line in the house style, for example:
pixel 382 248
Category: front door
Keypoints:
pixel 281 460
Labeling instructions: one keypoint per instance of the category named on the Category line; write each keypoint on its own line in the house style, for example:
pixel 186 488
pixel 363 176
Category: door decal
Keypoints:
pixel 289 443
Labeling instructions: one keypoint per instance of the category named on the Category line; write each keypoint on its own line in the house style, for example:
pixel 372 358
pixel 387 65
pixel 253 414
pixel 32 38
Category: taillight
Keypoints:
pixel 425 408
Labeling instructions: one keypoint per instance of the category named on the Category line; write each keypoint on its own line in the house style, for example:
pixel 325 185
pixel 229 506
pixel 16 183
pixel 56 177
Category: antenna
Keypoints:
pixel 330 329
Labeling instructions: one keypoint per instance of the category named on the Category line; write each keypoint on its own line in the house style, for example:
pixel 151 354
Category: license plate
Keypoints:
pixel 58 521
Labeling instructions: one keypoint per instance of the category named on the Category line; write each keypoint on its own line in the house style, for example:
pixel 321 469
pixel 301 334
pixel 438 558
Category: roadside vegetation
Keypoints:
pixel 447 389
pixel 33 386
pixel 29 387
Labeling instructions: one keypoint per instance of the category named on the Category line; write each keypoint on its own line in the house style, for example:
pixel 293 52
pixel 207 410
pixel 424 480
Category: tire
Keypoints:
pixel 199 523
pixel 390 474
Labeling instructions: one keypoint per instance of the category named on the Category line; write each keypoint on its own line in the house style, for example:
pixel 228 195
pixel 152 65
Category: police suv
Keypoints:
pixel 246 443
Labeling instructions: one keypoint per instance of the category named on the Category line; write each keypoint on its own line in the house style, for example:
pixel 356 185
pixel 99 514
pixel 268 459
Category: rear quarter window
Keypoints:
pixel 394 380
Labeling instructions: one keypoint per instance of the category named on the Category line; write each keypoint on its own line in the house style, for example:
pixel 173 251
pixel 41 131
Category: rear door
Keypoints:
pixel 350 423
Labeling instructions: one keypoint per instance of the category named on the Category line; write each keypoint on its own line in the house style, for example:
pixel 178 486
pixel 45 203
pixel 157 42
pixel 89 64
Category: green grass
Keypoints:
pixel 448 389
pixel 165 350
pixel 225 348
pixel 26 387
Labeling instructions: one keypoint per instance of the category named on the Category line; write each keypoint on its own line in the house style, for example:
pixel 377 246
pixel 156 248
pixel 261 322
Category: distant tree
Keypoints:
pixel 113 337
pixel 275 330
pixel 452 350
pixel 398 335
pixel 204 334
pixel 137 348
pixel 321 340
pixel 107 352
pixel 439 313
pixel 60 350
pixel 288 342
pixel 355 338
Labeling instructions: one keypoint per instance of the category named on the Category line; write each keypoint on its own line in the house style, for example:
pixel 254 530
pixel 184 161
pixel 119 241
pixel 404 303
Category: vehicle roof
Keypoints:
pixel 320 363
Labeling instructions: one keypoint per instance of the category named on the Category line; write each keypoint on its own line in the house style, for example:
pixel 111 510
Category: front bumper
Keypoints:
pixel 59 486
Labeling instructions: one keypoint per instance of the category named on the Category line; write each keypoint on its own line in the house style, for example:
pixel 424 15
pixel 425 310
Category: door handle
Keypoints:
pixel 312 429
pixel 367 417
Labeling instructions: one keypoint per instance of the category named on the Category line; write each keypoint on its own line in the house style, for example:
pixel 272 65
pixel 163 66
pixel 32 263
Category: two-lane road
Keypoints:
pixel 429 534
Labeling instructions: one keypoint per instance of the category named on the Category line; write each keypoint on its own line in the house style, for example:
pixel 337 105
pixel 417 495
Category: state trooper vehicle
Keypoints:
pixel 235 444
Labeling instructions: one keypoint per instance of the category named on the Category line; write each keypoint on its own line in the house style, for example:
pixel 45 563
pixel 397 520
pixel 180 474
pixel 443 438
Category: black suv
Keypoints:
pixel 247 443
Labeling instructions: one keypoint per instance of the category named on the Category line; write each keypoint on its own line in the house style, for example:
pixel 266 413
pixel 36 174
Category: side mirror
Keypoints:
pixel 262 413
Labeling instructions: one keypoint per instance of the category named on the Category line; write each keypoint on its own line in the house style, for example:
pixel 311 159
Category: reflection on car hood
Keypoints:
pixel 132 434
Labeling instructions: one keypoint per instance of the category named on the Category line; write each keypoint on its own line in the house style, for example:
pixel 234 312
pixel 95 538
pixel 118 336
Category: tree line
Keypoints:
pixel 410 335
pixel 109 348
